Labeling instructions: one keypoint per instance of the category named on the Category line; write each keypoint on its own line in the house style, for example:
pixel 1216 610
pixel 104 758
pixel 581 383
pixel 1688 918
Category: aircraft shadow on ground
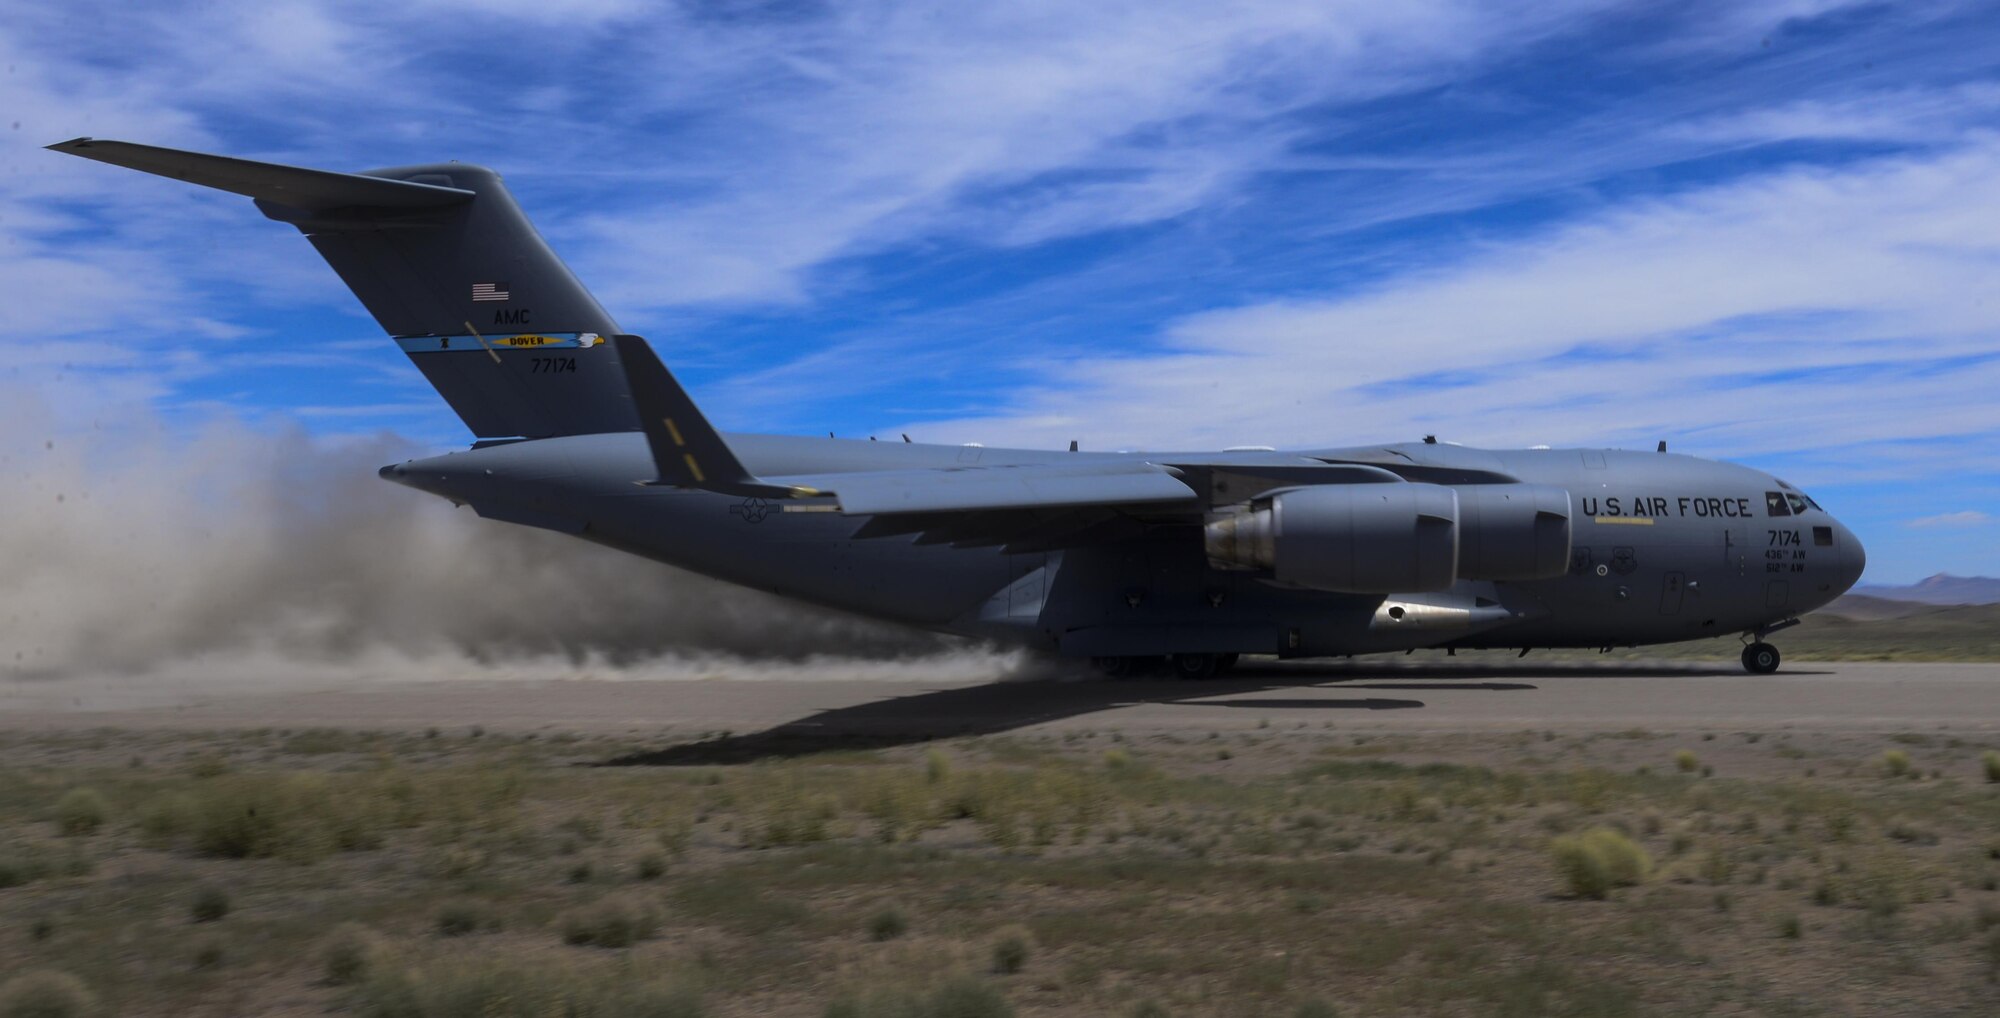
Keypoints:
pixel 1006 706
pixel 1393 669
pixel 1372 703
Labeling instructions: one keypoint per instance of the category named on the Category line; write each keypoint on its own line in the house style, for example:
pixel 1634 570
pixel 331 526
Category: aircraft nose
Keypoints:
pixel 1850 558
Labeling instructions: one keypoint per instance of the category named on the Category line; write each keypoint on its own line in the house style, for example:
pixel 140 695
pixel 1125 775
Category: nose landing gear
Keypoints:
pixel 1760 658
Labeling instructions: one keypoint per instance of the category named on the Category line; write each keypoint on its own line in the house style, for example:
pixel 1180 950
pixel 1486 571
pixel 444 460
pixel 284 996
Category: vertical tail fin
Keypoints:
pixel 449 265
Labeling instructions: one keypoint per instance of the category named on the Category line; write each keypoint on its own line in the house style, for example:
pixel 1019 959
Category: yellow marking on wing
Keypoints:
pixel 693 467
pixel 671 430
pixel 805 491
pixel 1630 521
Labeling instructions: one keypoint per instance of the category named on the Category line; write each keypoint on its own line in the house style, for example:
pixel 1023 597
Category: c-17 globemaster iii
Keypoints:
pixel 1128 559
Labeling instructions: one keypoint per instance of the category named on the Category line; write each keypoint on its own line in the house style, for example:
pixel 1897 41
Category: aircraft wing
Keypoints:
pixel 1024 507
pixel 1028 486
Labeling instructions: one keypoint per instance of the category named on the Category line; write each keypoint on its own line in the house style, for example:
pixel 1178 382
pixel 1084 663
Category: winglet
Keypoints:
pixel 687 450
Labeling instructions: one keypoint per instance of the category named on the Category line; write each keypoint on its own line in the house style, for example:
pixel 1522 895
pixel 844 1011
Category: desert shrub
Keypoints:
pixel 1149 1009
pixel 961 997
pixel 1011 950
pixel 459 918
pixel 163 819
pixel 651 866
pixel 606 923
pixel 260 814
pixel 1990 762
pixel 1686 762
pixel 966 998
pixel 27 863
pixel 1117 761
pixel 1594 862
pixel 1315 1008
pixel 493 989
pixel 1895 763
pixel 1789 926
pixel 16 870
pixel 45 995
pixel 316 741
pixel 209 905
pixel 80 812
pixel 583 828
pixel 887 924
pixel 937 766
pixel 789 814
pixel 349 954
pixel 208 954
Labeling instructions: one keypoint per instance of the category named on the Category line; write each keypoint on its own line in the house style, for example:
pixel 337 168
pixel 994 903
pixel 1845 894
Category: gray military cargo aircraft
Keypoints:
pixel 1130 559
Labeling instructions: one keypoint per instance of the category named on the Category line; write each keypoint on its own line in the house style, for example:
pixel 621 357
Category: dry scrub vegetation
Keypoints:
pixel 1261 871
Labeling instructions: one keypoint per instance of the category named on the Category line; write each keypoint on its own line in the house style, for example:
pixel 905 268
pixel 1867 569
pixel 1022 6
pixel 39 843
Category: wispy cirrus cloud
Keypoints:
pixel 1961 518
pixel 1805 286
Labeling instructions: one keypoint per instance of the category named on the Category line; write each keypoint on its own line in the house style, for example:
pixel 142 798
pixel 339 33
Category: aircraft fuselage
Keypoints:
pixel 1663 548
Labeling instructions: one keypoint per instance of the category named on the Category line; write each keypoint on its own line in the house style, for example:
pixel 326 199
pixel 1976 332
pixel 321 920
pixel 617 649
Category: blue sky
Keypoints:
pixel 1767 233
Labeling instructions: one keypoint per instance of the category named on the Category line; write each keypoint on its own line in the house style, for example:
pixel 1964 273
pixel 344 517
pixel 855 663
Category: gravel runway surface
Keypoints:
pixel 1363 695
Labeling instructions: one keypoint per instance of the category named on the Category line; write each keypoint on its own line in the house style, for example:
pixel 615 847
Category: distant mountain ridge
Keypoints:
pixel 1943 588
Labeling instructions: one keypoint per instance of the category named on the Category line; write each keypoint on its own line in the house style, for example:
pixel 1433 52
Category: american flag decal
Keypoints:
pixel 490 291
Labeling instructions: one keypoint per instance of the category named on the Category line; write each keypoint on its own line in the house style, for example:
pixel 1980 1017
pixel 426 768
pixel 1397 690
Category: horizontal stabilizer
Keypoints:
pixel 998 488
pixel 687 450
pixel 291 186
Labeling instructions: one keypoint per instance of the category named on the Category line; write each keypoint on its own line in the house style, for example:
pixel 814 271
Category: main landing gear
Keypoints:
pixel 1181 666
pixel 1760 658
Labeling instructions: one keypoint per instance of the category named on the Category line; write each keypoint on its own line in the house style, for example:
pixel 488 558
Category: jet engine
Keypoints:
pixel 1356 538
pixel 1403 538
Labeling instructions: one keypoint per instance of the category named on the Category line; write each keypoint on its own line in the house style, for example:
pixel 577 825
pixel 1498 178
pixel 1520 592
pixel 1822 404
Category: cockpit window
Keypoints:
pixel 1798 502
pixel 1809 501
pixel 1774 504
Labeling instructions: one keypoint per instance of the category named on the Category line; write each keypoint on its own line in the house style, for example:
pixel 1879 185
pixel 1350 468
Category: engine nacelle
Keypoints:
pixel 1351 538
pixel 1513 531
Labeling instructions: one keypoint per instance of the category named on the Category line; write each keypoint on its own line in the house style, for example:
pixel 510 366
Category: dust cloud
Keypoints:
pixel 249 556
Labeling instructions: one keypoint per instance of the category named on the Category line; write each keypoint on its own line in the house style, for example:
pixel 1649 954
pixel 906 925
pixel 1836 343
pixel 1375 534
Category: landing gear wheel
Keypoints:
pixel 1760 659
pixel 1196 666
pixel 1115 667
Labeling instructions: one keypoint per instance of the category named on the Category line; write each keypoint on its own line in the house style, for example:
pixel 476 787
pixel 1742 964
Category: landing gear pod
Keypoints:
pixel 1513 532
pixel 1360 538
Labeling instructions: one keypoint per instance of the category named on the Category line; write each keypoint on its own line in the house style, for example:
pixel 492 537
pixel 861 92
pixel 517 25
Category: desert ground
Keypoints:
pixel 1370 838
